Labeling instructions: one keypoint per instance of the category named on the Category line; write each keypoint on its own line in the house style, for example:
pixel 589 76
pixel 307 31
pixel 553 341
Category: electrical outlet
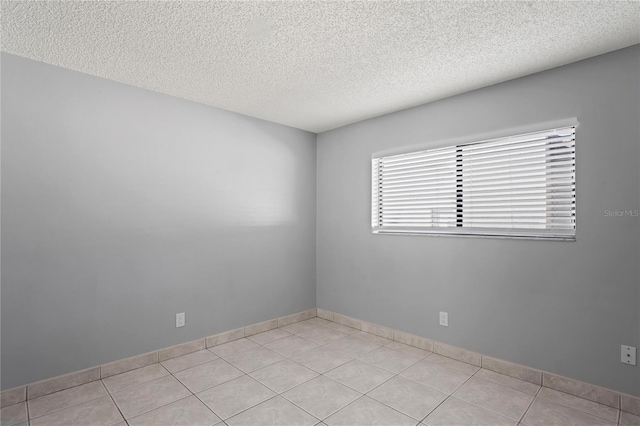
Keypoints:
pixel 628 355
pixel 444 319
pixel 180 320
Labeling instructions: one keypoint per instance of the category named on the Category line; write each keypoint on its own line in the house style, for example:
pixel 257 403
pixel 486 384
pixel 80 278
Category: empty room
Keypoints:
pixel 332 213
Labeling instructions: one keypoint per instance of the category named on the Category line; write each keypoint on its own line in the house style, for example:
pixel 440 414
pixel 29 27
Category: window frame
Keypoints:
pixel 479 232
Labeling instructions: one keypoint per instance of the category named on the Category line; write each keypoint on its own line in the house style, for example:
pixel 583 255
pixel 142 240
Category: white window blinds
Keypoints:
pixel 521 186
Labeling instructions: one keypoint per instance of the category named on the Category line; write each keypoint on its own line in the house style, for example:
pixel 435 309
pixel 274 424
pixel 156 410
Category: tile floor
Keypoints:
pixel 314 372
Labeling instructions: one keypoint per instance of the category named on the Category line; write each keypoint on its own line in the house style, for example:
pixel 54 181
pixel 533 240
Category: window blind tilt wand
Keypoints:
pixel 521 186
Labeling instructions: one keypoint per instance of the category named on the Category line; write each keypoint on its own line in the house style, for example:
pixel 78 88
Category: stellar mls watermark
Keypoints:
pixel 622 213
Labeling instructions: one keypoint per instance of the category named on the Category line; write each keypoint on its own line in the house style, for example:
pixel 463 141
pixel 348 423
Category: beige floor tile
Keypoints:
pixel 13 414
pixel 322 335
pixel 548 413
pixel 628 419
pixel 253 359
pixel 148 396
pixel 581 404
pixel 359 375
pixel 368 412
pixel 353 346
pixel 97 412
pixel 235 396
pixel 301 326
pixel 208 375
pixel 321 396
pixel 436 376
pixel 455 412
pixel 187 361
pixel 452 363
pixel 342 328
pixel 57 401
pixel 134 377
pixel 390 359
pixel 408 349
pixel 269 336
pixel 508 381
pixel 494 397
pixel 381 341
pixel 291 346
pixel 233 347
pixel 318 321
pixel 274 412
pixel 322 359
pixel 185 412
pixel 408 397
pixel 283 375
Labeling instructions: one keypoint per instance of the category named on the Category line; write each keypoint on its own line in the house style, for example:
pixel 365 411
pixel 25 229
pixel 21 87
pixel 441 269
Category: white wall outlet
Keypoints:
pixel 444 319
pixel 180 320
pixel 628 355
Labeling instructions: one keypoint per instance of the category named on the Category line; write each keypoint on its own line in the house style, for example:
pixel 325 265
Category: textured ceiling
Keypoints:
pixel 315 65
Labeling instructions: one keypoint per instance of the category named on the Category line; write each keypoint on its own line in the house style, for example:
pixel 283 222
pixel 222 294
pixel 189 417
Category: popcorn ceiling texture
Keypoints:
pixel 315 65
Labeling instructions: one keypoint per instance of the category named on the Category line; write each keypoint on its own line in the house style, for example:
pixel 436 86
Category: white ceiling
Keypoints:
pixel 315 65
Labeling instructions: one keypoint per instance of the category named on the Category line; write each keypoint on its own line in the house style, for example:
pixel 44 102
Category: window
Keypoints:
pixel 519 187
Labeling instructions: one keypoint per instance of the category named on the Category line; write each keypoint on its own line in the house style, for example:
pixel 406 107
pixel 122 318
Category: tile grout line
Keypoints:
pixel 239 412
pixel 182 384
pixel 535 397
pixel 505 387
pixel 280 394
pixel 114 403
pixel 494 412
pixel 296 405
pixel 194 394
pixel 69 406
pixel 444 400
pixel 164 405
pixel 388 380
pixel 26 404
pixel 340 409
pixel 399 375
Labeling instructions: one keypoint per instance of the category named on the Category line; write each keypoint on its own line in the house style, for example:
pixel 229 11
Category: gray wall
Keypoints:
pixel 122 207
pixel 558 306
